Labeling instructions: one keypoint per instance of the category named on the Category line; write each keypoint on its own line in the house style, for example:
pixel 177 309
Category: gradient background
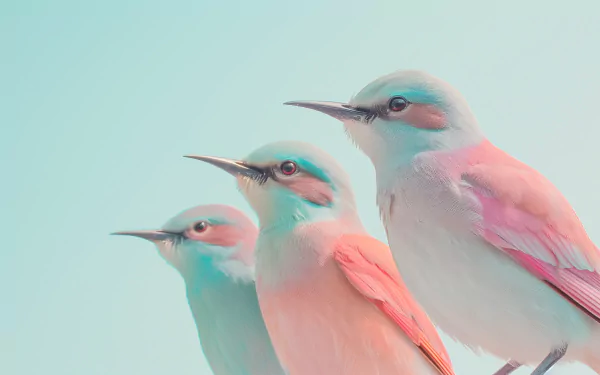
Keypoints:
pixel 100 100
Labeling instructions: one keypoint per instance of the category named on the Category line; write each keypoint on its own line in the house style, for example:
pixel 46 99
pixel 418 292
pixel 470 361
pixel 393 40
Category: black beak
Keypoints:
pixel 340 111
pixel 150 235
pixel 233 167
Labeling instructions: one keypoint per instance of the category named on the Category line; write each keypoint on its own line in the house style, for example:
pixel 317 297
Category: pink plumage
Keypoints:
pixel 369 266
pixel 489 247
pixel 332 299
pixel 347 311
pixel 528 218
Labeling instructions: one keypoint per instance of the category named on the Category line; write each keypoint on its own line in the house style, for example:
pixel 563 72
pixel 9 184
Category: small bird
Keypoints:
pixel 212 247
pixel 489 247
pixel 331 297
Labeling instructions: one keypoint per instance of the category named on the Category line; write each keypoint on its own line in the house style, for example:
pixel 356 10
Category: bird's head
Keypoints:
pixel 404 113
pixel 208 238
pixel 291 182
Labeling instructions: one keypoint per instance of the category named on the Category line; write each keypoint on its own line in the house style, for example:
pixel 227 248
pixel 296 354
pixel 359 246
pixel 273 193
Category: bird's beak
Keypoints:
pixel 233 167
pixel 150 235
pixel 340 111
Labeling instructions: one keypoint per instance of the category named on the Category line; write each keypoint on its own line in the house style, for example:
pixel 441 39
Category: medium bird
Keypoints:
pixel 332 299
pixel 489 247
pixel 212 247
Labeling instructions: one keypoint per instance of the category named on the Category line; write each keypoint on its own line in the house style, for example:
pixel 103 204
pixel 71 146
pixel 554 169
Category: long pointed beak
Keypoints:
pixel 233 167
pixel 340 111
pixel 150 235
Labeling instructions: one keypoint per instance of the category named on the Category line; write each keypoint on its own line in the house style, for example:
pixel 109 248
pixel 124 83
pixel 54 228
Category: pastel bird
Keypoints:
pixel 212 247
pixel 331 297
pixel 489 247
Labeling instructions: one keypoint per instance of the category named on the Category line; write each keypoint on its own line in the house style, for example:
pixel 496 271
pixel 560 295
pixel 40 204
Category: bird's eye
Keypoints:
pixel 288 168
pixel 200 226
pixel 398 104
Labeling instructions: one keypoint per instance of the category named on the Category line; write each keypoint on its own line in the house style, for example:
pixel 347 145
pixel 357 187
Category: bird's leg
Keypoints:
pixel 554 356
pixel 508 368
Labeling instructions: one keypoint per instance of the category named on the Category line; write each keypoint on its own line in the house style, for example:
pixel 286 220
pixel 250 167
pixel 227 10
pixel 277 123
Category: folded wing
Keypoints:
pixel 370 268
pixel 524 215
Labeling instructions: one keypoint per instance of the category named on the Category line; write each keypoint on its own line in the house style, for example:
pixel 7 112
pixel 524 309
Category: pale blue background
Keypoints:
pixel 100 100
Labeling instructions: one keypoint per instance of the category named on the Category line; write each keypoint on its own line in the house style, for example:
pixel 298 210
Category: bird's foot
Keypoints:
pixel 554 356
pixel 508 368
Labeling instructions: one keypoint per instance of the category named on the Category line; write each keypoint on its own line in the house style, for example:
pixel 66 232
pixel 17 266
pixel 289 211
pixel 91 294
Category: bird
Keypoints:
pixel 331 297
pixel 489 247
pixel 212 248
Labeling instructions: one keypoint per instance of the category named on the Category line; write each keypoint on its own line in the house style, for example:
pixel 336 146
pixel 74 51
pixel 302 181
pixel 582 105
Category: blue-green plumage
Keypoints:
pixel 212 247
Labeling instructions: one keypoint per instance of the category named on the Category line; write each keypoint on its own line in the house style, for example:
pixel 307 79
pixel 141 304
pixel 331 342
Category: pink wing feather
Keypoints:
pixel 524 215
pixel 370 268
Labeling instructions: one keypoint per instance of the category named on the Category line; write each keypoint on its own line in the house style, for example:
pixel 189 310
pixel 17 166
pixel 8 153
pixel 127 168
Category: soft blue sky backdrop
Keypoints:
pixel 100 100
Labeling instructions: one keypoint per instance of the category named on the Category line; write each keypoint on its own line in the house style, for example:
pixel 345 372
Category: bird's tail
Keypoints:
pixel 592 358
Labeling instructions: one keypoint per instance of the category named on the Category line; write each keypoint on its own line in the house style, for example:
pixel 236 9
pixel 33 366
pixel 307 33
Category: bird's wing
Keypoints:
pixel 370 268
pixel 523 214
